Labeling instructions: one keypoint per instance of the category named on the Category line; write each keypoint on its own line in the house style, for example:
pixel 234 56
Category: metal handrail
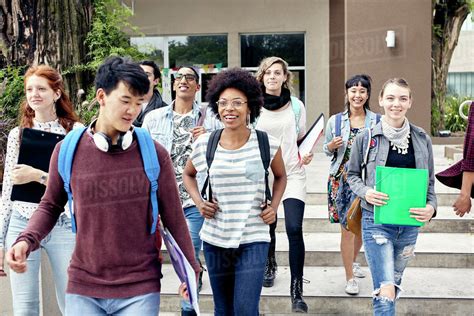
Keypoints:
pixel 461 106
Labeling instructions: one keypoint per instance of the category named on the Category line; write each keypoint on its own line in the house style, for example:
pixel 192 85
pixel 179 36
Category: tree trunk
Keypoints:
pixel 48 32
pixel 448 17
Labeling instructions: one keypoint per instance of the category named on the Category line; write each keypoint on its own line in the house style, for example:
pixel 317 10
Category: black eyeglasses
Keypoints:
pixel 187 77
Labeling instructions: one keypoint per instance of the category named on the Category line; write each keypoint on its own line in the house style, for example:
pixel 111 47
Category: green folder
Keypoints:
pixel 406 188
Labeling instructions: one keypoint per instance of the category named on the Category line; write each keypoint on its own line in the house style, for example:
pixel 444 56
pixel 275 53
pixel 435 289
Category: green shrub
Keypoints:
pixel 453 121
pixel 11 96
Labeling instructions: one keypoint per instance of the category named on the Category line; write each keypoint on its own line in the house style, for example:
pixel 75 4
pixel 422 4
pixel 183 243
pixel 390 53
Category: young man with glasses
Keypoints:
pixel 153 99
pixel 176 127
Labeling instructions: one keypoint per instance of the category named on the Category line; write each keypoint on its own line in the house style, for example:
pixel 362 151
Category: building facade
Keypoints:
pixel 325 42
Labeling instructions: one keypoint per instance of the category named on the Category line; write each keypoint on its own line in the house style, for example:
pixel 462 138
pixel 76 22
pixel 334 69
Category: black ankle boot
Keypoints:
pixel 188 313
pixel 298 305
pixel 271 268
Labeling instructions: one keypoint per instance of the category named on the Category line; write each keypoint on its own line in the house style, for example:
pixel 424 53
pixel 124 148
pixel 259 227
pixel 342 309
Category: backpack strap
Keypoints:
pixel 295 106
pixel 365 151
pixel 337 131
pixel 65 160
pixel 151 167
pixel 264 147
pixel 338 124
pixel 210 151
pixel 378 116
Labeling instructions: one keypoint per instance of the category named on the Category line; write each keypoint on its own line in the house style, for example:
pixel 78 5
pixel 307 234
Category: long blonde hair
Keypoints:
pixel 267 63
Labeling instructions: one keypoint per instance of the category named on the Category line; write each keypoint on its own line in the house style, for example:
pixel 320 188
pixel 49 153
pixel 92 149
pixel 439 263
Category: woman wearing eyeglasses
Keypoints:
pixel 176 127
pixel 284 117
pixel 235 232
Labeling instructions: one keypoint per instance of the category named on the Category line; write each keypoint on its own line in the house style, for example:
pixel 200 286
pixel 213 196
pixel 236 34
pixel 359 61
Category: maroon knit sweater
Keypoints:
pixel 115 254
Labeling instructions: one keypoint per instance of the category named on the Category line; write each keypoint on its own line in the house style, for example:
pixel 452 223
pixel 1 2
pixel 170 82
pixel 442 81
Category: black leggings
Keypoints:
pixel 294 212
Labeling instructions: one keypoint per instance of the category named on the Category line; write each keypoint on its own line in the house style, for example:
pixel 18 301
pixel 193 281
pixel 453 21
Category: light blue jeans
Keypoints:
pixel 59 245
pixel 143 305
pixel 195 221
pixel 388 248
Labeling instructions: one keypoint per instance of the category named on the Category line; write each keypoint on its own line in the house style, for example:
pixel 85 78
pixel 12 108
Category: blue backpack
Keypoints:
pixel 149 158
pixel 295 106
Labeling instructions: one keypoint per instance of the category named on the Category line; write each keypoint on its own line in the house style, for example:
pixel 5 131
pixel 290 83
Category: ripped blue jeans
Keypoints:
pixel 388 249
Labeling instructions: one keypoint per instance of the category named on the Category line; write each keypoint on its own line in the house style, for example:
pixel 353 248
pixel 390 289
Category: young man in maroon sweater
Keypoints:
pixel 115 266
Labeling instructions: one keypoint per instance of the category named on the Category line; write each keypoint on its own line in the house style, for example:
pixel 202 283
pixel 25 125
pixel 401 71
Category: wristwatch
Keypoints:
pixel 43 178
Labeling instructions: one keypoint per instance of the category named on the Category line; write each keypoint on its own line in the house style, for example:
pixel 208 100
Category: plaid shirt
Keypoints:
pixel 468 157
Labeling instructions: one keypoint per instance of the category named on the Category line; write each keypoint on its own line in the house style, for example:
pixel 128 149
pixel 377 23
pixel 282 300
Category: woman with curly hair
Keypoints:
pixel 235 232
pixel 47 108
pixel 284 117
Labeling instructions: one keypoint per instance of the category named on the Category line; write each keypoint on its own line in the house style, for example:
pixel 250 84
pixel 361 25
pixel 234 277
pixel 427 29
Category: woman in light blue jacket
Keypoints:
pixel 341 131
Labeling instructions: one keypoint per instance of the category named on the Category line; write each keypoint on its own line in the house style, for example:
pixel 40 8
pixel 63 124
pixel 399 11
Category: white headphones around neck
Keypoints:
pixel 104 142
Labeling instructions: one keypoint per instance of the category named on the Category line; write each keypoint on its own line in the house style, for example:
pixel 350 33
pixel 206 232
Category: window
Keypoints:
pixel 290 47
pixel 461 84
pixel 184 50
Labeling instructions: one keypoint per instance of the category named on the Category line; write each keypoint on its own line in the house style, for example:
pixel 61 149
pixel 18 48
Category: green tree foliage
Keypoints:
pixel 448 17
pixel 107 36
pixel 11 96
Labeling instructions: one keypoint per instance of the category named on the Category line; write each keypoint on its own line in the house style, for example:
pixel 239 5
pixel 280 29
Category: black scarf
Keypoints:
pixel 273 102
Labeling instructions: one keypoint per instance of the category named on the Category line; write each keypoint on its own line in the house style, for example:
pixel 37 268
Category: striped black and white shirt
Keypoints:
pixel 237 179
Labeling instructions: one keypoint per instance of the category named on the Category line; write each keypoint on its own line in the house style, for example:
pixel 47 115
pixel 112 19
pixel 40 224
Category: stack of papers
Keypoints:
pixel 308 143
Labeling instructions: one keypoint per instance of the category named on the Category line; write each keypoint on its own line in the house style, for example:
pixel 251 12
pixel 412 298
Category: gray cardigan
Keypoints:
pixel 378 157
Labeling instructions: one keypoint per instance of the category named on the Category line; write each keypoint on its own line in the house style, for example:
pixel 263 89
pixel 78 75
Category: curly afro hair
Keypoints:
pixel 241 80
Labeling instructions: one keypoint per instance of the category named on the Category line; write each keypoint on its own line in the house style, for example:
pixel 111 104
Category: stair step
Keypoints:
pixel 442 250
pixel 325 292
pixel 446 221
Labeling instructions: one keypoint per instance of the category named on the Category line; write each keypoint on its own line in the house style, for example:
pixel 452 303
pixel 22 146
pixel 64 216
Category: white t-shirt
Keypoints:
pixel 237 179
pixel 282 125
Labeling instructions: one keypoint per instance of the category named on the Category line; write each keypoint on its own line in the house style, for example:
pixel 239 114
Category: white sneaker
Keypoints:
pixel 357 271
pixel 352 287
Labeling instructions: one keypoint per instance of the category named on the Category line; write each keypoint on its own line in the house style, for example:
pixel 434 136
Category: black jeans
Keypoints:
pixel 294 212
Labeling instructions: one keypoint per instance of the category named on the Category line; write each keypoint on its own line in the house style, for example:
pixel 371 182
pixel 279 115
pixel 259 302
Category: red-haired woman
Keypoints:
pixel 47 108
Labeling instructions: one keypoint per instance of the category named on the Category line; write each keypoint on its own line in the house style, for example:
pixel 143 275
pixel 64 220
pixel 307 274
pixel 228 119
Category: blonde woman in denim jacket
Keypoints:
pixel 354 119
pixel 395 143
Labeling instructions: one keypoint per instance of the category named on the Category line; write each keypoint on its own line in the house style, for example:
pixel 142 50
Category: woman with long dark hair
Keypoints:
pixel 341 130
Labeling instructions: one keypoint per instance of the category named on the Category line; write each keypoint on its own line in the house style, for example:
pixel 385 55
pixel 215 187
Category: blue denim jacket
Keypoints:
pixel 159 123
pixel 370 120
pixel 378 157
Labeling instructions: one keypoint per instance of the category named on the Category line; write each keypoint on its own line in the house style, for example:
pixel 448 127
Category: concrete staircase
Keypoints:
pixel 438 281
